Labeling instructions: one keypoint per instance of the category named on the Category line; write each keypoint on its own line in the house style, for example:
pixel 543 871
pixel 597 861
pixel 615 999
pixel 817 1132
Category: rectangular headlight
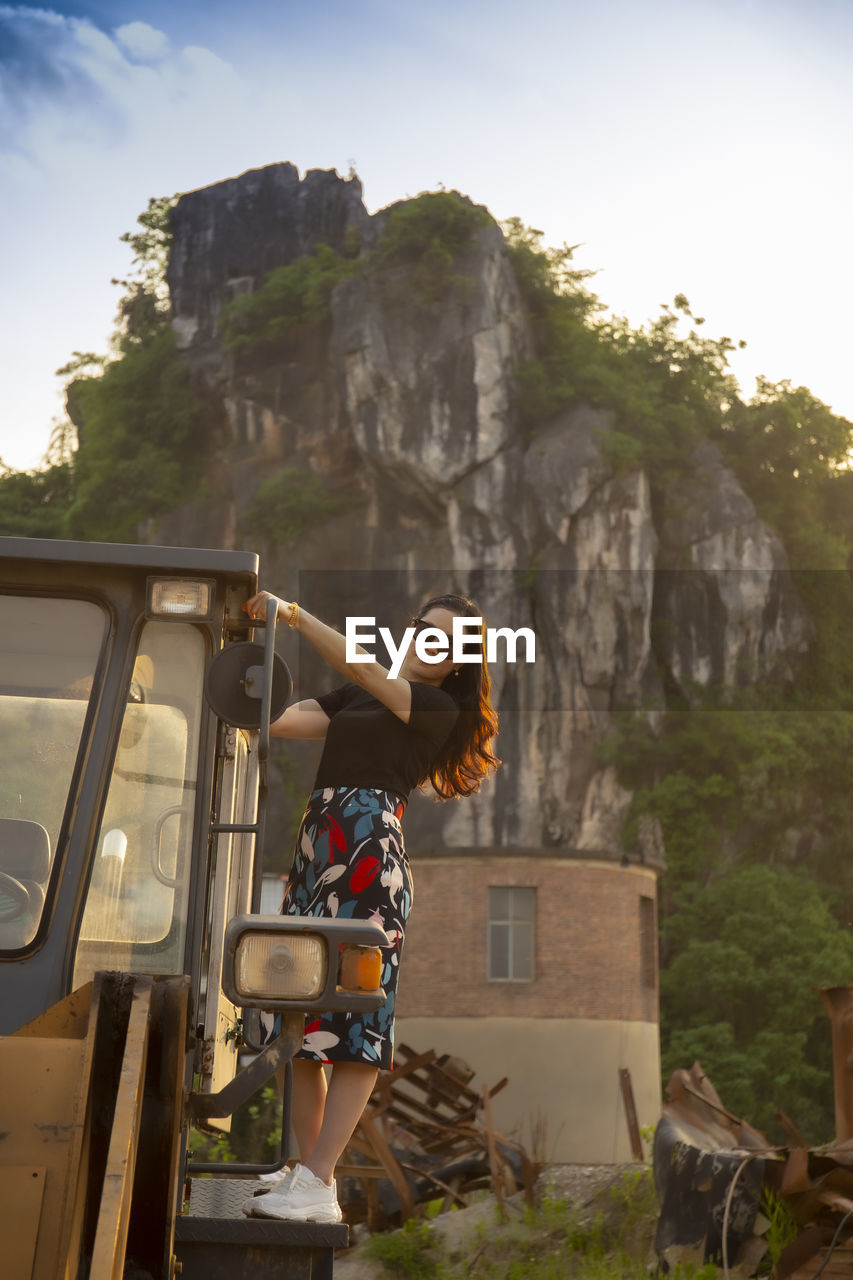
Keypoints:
pixel 303 962
pixel 280 968
pixel 180 597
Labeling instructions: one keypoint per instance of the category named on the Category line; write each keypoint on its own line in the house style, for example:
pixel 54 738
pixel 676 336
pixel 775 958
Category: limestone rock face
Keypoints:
pixel 228 236
pixel 427 393
pixel 399 412
pixel 725 592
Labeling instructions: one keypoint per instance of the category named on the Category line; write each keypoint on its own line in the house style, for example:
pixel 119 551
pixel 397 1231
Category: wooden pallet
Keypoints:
pixel 430 1133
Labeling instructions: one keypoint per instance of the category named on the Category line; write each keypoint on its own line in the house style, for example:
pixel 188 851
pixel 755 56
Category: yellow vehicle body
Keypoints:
pixel 134 728
pixel 68 1175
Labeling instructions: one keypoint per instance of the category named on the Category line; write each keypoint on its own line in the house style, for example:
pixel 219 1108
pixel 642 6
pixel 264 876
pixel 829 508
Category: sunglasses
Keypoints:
pixel 420 624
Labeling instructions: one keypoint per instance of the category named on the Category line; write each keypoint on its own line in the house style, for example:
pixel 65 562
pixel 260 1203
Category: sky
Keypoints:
pixel 702 147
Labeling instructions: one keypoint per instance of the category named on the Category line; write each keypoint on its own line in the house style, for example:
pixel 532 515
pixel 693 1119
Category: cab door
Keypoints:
pixel 231 895
pixel 143 881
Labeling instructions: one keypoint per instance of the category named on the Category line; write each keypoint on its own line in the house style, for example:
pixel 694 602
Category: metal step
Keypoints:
pixel 215 1241
pixel 220 1197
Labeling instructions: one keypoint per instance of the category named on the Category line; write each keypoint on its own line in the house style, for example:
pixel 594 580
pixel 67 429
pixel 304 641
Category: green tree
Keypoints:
pixel 741 995
pixel 151 246
pixel 762 782
pixel 792 454
pixel 139 420
pixel 34 504
pixel 141 428
pixel 665 387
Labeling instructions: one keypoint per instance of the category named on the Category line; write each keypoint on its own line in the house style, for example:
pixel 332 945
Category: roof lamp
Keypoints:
pixel 180 597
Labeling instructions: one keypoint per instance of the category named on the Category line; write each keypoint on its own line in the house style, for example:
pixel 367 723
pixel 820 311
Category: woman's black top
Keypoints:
pixel 368 746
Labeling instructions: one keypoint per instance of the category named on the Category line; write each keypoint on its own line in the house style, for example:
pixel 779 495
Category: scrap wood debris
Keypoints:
pixel 427 1135
pixel 712 1172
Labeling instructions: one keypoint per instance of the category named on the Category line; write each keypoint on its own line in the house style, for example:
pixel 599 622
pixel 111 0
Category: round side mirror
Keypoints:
pixel 233 685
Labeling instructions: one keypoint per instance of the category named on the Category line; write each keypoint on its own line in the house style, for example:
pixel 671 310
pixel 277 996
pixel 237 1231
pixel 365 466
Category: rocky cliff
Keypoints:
pixel 398 414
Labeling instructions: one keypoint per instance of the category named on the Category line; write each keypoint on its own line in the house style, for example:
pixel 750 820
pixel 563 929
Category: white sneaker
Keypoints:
pixel 267 1182
pixel 303 1198
pixel 273 1179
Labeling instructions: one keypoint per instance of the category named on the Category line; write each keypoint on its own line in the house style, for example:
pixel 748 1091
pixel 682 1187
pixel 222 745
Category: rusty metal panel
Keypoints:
pixel 157 1189
pixel 114 1213
pixel 838 1002
pixel 631 1114
pixel 711 1169
pixel 709 1173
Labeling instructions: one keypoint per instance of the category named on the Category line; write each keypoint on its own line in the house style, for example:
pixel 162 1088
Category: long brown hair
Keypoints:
pixel 466 757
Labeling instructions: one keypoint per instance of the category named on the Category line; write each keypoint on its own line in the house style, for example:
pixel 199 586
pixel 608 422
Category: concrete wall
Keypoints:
pixel 563 1075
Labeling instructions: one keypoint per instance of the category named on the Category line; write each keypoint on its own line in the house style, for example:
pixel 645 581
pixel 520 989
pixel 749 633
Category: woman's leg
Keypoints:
pixel 309 1102
pixel 349 1089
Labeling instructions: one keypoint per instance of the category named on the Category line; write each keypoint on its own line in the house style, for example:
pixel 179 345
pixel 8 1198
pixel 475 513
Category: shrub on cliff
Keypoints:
pixel 427 235
pixel 435 221
pixel 792 455
pixel 289 502
pixel 255 325
pixel 666 388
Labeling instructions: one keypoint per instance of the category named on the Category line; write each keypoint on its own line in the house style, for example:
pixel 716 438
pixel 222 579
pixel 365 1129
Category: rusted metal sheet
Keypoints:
pixel 838 1002
pixel 709 1173
pixel 108 1252
pixel 631 1120
pixel 712 1169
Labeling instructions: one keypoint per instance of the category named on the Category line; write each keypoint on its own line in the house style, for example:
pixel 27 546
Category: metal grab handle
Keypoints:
pixel 266 697
pixel 263 754
pixel 161 820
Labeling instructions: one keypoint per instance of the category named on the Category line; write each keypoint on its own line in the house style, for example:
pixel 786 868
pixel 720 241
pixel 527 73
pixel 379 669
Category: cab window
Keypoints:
pixel 49 650
pixel 136 907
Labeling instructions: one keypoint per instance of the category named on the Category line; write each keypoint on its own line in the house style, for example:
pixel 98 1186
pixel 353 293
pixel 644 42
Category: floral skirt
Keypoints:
pixel 350 863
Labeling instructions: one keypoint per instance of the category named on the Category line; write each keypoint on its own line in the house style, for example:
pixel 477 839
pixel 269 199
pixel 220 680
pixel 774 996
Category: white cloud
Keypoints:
pixel 685 154
pixel 93 125
pixel 143 42
pixel 66 82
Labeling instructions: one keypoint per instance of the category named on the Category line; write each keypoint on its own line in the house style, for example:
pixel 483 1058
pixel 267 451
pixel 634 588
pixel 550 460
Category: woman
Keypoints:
pixel 384 735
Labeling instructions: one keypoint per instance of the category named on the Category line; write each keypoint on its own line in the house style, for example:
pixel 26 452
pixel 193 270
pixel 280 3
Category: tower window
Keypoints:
pixel 511 936
pixel 648 941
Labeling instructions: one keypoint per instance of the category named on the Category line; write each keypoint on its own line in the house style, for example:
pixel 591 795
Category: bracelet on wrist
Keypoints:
pixel 294 614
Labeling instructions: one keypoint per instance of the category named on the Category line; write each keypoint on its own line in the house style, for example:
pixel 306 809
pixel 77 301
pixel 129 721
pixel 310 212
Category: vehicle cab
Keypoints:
pixel 135 706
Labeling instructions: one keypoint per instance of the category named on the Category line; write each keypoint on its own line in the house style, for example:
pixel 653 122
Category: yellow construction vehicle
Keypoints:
pixel 135 708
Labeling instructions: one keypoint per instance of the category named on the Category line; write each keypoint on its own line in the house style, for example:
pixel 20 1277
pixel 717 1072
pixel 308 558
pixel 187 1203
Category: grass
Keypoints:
pixel 609 1239
pixel 552 1241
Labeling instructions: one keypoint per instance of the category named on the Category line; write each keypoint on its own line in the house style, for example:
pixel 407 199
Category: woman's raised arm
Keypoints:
pixel 393 691
pixel 305 719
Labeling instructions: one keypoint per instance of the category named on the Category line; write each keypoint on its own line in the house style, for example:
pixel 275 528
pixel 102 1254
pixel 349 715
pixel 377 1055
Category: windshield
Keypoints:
pixel 49 650
pixel 136 906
